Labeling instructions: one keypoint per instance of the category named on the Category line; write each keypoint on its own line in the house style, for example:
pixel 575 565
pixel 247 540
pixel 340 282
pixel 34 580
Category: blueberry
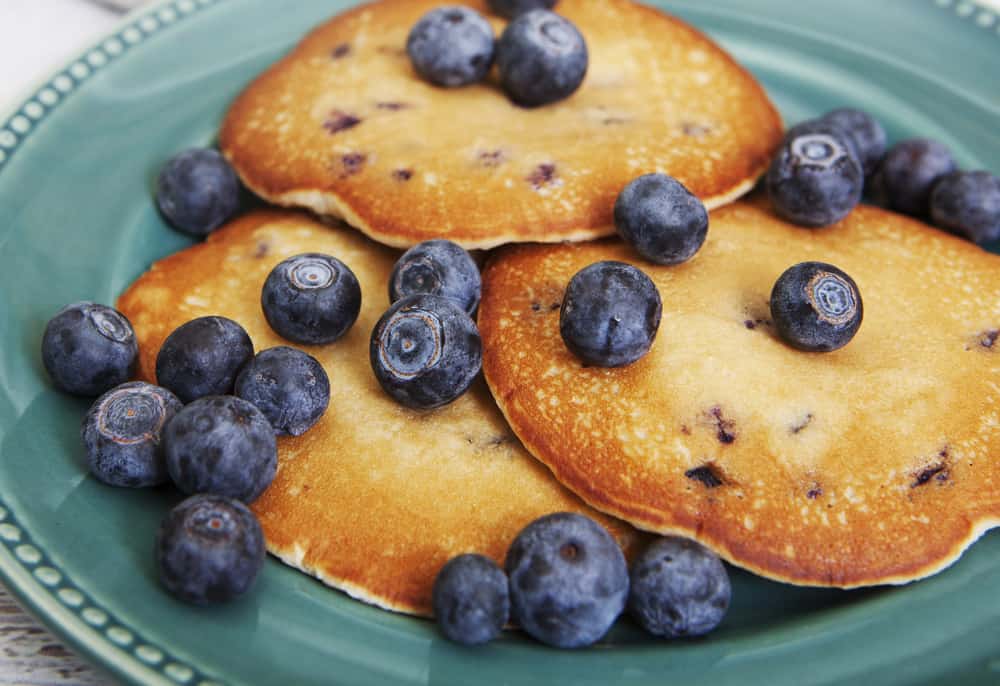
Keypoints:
pixel 471 600
pixel 910 170
pixel 311 299
pixel 816 307
pixel 198 191
pixel 542 58
pixel 437 267
pixel 202 357
pixel 209 550
pixel 290 387
pixel 426 351
pixel 968 204
pixel 511 8
pixel 678 588
pixel 816 178
pixel 610 314
pixel 89 349
pixel 661 219
pixel 122 434
pixel 221 445
pixel 451 46
pixel 568 580
pixel 865 132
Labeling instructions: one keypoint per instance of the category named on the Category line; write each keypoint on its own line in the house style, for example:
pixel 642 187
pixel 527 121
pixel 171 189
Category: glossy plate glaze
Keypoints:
pixel 77 163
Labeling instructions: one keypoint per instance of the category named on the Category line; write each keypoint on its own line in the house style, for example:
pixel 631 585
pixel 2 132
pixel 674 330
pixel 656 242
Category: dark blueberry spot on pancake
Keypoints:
pixel 724 428
pixel 341 51
pixel 402 174
pixel 492 158
pixel 708 475
pixel 353 163
pixel 937 471
pixel 536 307
pixel 543 175
pixel 338 121
pixel 799 426
pixel 815 492
pixel 988 338
pixel 393 106
pixel 262 250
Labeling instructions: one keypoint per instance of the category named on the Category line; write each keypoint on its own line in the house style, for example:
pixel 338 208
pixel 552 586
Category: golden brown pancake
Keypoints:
pixel 875 464
pixel 344 126
pixel 375 498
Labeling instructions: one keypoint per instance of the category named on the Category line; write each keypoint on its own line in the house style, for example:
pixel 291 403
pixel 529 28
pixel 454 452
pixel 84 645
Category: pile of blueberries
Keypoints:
pixel 541 57
pixel 210 426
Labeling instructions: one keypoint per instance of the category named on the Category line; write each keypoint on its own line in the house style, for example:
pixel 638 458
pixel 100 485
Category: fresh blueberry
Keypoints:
pixel 568 580
pixel 865 132
pixel 661 219
pixel 511 8
pixel 425 351
pixel 471 600
pixel 542 58
pixel 221 445
pixel 451 46
pixel 816 178
pixel 968 204
pixel 816 307
pixel 311 299
pixel 910 170
pixel 437 267
pixel 209 550
pixel 202 357
pixel 198 191
pixel 122 434
pixel 678 588
pixel 290 387
pixel 89 349
pixel 610 314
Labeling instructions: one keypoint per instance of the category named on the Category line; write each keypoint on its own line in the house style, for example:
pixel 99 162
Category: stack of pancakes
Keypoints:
pixel 864 466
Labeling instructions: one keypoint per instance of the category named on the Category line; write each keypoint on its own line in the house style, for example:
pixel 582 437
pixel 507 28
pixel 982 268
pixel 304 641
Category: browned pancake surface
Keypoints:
pixel 375 497
pixel 344 126
pixel 873 464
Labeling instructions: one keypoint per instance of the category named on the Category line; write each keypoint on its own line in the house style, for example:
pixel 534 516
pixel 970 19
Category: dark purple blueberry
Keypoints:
pixel 203 357
pixel 678 589
pixel 426 351
pixel 610 314
pixel 968 205
pixel 865 132
pixel 815 180
pixel 471 600
pixel 289 386
pixel 311 299
pixel 198 191
pixel 451 46
pixel 89 349
pixel 209 550
pixel 542 58
pixel 221 445
pixel 512 8
pixel 122 435
pixel 661 219
pixel 437 267
pixel 568 580
pixel 909 171
pixel 816 307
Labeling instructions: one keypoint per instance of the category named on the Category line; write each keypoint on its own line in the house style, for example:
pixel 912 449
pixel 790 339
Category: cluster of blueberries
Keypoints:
pixel 565 582
pixel 826 165
pixel 541 57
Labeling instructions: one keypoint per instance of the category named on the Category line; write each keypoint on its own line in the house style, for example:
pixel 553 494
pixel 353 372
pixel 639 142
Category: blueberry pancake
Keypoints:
pixel 344 126
pixel 374 498
pixel 873 464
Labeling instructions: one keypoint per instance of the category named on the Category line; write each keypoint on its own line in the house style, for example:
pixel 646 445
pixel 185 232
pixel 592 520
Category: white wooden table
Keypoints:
pixel 36 38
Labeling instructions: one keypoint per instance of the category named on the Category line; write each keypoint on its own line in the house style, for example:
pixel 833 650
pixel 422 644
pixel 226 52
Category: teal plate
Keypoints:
pixel 77 162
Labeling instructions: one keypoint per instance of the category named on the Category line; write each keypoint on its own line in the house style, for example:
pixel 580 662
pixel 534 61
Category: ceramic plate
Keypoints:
pixel 77 162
